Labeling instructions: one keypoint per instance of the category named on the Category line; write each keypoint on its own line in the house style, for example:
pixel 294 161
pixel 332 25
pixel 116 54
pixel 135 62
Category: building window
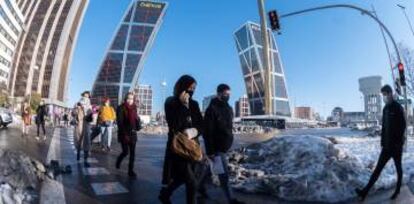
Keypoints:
pixel 7 36
pixel 8 21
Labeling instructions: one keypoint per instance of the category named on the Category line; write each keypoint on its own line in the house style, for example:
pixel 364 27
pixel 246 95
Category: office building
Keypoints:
pixel 11 28
pixel 120 69
pixel 250 51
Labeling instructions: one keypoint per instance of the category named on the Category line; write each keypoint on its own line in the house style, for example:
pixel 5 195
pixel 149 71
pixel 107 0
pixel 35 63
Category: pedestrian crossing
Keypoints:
pixel 108 188
pixel 100 188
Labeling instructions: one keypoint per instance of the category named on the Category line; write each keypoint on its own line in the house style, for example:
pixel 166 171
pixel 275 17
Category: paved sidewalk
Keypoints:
pixel 103 183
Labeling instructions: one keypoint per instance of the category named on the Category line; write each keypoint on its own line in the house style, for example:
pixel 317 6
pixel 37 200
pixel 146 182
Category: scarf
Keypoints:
pixel 131 114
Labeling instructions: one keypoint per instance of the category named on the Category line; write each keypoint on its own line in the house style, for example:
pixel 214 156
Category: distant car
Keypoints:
pixel 5 117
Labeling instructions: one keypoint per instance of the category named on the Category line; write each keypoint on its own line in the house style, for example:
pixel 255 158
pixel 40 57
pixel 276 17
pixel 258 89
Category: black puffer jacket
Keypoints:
pixel 218 130
pixel 393 126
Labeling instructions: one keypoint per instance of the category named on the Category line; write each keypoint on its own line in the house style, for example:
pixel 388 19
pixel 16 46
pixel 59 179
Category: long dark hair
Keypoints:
pixel 126 96
pixel 183 83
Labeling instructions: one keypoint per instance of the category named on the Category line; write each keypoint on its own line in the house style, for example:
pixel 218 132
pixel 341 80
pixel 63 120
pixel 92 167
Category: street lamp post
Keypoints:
pixel 163 85
pixel 406 17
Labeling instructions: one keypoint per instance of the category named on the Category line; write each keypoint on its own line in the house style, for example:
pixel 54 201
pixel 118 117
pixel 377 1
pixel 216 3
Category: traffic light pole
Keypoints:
pixel 368 13
pixel 267 66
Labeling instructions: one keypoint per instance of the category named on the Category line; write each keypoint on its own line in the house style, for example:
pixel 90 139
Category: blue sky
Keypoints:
pixel 323 53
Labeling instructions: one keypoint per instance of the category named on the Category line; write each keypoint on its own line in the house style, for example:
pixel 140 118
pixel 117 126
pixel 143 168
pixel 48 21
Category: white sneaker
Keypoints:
pixel 37 138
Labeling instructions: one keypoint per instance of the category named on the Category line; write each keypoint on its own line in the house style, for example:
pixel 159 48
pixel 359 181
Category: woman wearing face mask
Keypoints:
pixel 183 115
pixel 26 116
pixel 128 125
pixel 106 116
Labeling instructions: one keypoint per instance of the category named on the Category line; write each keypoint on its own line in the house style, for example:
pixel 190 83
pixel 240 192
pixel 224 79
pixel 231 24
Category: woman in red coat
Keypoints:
pixel 128 124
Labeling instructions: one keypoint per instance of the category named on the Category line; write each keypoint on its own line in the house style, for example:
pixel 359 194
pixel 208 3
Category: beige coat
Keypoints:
pixel 79 127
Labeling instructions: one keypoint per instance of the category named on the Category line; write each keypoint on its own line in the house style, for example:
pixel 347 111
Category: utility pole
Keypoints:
pixel 163 87
pixel 406 17
pixel 267 67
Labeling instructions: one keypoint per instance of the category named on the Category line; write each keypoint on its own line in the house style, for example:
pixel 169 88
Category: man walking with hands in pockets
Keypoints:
pixel 218 137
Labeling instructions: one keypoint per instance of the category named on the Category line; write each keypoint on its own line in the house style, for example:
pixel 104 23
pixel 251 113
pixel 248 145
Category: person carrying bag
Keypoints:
pixel 182 149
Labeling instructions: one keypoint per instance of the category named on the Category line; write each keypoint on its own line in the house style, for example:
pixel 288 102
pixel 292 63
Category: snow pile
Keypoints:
pixel 304 168
pixel 19 176
pixel 367 151
pixel 154 130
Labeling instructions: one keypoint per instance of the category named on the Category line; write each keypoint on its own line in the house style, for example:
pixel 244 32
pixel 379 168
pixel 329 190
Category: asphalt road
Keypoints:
pixel 103 183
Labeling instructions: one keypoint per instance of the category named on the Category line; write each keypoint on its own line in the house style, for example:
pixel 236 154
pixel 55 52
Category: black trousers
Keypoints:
pixel 41 124
pixel 190 182
pixel 385 156
pixel 128 147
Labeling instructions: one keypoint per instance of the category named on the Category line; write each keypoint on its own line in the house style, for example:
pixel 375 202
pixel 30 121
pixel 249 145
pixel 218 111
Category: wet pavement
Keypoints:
pixel 103 183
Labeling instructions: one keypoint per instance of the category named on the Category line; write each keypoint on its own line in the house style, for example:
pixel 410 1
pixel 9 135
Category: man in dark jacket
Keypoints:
pixel 392 141
pixel 218 135
pixel 41 113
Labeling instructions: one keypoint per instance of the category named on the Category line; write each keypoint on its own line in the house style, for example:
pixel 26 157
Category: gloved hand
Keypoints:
pixel 191 133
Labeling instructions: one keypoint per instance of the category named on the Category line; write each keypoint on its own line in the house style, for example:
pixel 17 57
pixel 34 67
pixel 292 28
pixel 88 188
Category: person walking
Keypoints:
pixel 84 140
pixel 183 115
pixel 26 118
pixel 107 117
pixel 128 124
pixel 41 113
pixel 95 129
pixel 392 142
pixel 56 116
pixel 218 135
pixel 79 118
pixel 66 119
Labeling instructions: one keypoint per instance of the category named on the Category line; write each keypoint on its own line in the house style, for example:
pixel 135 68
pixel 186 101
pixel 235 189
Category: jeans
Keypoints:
pixel 106 133
pixel 224 178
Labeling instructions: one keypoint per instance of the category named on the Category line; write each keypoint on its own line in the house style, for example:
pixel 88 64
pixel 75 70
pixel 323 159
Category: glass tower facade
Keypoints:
pixel 120 69
pixel 249 47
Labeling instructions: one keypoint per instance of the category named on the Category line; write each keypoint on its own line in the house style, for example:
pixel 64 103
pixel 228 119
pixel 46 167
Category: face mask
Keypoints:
pixel 386 99
pixel 190 93
pixel 225 98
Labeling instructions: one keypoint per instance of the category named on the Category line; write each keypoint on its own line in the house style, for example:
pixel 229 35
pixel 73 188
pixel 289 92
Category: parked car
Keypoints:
pixel 5 117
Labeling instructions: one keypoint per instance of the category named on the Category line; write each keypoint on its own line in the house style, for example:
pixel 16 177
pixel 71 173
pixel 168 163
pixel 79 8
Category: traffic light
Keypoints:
pixel 401 71
pixel 274 20
pixel 397 87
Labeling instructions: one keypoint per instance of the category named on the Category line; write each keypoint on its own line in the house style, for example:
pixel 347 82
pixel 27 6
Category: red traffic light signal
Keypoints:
pixel 274 20
pixel 400 67
pixel 401 72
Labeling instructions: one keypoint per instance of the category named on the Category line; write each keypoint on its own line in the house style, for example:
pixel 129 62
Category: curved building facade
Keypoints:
pixel 124 59
pixel 42 63
pixel 11 27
